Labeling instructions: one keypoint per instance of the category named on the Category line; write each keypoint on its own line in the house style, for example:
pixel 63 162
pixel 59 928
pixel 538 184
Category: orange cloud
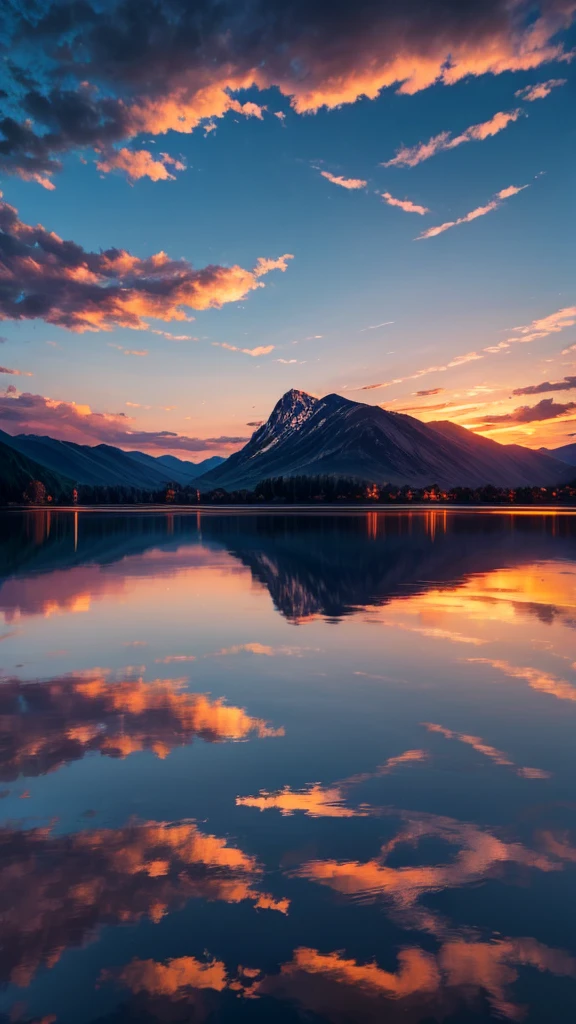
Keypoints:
pixel 539 91
pixel 480 211
pixel 88 291
pixel 140 163
pixel 151 81
pixel 404 204
pixel 260 350
pixel 350 183
pixel 467 357
pixel 542 328
pixel 411 156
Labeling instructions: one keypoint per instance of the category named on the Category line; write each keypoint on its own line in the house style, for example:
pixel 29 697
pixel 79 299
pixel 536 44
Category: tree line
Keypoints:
pixel 287 490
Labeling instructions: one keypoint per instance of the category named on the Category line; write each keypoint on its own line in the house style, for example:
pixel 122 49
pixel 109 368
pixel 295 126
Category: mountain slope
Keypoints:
pixel 333 435
pixel 16 472
pixel 566 452
pixel 105 465
pixel 190 470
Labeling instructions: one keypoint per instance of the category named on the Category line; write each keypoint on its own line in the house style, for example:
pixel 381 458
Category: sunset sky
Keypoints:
pixel 206 204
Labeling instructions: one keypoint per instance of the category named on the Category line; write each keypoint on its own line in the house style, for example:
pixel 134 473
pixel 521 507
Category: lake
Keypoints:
pixel 287 767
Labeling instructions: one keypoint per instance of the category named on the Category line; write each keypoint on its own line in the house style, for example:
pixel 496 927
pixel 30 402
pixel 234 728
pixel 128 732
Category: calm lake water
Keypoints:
pixel 287 767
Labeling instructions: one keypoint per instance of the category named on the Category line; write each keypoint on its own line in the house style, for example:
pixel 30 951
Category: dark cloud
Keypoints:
pixel 44 277
pixel 159 66
pixel 547 409
pixel 255 423
pixel 35 414
pixel 431 391
pixel 568 384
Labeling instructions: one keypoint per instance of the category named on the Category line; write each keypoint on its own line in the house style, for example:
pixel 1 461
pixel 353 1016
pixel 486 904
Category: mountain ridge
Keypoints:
pixel 105 465
pixel 333 435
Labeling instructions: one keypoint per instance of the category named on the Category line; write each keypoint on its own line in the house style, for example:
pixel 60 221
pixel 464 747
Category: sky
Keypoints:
pixel 204 205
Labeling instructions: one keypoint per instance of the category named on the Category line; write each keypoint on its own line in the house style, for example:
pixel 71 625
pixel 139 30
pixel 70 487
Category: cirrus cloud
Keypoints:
pixel 405 204
pixel 411 156
pixel 350 183
pixel 480 211
pixel 539 91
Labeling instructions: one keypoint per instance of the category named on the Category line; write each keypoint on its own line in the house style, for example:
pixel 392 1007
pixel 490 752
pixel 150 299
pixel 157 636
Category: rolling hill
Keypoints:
pixel 16 472
pixel 105 465
pixel 332 435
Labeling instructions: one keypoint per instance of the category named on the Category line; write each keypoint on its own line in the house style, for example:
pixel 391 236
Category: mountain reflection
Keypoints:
pixel 57 890
pixel 318 564
pixel 44 725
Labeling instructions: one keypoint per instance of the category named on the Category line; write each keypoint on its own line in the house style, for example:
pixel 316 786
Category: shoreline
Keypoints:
pixel 268 509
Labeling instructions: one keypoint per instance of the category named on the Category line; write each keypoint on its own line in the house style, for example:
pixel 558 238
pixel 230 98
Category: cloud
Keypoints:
pixel 568 384
pixel 58 281
pixel 539 91
pixel 373 327
pixel 351 183
pixel 256 423
pixel 430 391
pixel 542 328
pixel 480 211
pixel 468 357
pixel 15 373
pixel 404 204
pixel 35 414
pixel 547 409
pixel 260 350
pixel 264 266
pixel 411 156
pixel 158 69
pixel 130 351
pixel 140 164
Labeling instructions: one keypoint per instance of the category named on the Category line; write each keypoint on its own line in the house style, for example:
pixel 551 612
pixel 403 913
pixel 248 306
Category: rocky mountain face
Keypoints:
pixel 332 435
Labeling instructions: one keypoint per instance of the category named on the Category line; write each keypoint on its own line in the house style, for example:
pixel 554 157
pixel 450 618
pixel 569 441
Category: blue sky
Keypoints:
pixel 252 187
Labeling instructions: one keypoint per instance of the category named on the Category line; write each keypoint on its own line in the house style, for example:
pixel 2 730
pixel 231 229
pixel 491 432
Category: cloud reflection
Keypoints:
pixel 44 725
pixel 57 890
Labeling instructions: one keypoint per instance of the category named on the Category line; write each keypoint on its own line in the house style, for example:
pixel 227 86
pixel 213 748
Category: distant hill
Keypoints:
pixel 566 452
pixel 332 435
pixel 16 472
pixel 105 465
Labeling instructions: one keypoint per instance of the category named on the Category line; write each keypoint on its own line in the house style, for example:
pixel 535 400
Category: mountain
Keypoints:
pixel 190 470
pixel 332 435
pixel 105 465
pixel 16 472
pixel 566 452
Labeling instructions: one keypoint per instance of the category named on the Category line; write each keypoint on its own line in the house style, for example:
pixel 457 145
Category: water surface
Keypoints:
pixel 287 767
